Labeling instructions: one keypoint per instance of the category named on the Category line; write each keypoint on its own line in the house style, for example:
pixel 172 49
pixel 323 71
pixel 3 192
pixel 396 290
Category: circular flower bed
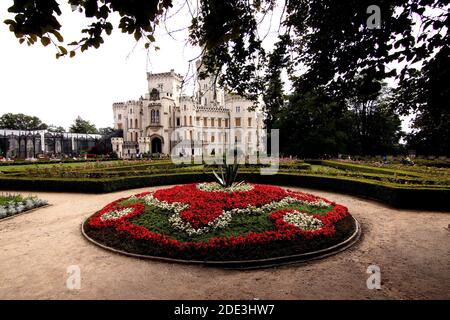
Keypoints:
pixel 205 222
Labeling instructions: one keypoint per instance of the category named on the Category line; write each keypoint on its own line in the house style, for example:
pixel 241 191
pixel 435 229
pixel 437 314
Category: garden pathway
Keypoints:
pixel 411 248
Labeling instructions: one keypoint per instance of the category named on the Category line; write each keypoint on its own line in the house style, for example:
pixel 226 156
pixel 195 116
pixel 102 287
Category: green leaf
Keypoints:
pixel 58 35
pixel 45 41
pixel 137 35
pixel 63 50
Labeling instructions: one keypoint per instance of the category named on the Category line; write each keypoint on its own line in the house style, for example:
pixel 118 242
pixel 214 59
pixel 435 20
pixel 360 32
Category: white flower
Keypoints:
pixel 219 223
pixel 3 212
pixel 116 214
pixel 302 220
pixel 215 187
pixel 176 207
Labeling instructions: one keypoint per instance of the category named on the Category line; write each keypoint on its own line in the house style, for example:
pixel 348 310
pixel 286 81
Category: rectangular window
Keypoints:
pixel 178 122
pixel 226 123
pixel 212 122
pixel 238 109
pixel 249 122
pixel 205 122
pixel 237 122
pixel 220 122
pixel 119 117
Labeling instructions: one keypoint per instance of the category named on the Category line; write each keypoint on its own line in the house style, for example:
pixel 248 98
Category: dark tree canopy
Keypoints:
pixel 313 124
pixel 20 121
pixel 38 20
pixel 427 94
pixel 82 126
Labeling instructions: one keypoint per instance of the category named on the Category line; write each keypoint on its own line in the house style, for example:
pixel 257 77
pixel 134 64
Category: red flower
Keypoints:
pixel 206 206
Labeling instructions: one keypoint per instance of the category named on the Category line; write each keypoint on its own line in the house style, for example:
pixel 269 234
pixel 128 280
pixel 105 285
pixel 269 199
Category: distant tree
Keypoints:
pixel 376 125
pixel 53 128
pixel 82 126
pixel 20 121
pixel 107 131
pixel 316 124
pixel 312 125
pixel 426 94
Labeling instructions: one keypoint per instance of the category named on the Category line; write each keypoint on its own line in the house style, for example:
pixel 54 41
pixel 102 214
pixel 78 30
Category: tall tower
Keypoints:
pixel 208 93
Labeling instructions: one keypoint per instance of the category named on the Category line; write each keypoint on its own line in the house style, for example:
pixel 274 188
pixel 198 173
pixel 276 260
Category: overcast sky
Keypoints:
pixel 34 82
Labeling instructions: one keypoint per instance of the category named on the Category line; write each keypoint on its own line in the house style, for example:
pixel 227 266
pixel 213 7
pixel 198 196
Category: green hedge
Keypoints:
pixel 396 196
pixel 362 168
pixel 401 197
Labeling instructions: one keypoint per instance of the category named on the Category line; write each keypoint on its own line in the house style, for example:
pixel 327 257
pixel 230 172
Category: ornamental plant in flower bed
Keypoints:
pixel 11 204
pixel 208 222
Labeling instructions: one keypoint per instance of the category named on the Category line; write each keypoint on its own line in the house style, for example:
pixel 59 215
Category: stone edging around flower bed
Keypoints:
pixel 24 212
pixel 248 264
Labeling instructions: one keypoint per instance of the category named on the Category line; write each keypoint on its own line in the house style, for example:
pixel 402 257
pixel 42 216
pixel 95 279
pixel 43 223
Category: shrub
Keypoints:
pixel 420 197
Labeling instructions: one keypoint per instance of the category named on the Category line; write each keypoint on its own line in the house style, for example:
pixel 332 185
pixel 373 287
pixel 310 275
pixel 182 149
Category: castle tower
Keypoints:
pixel 208 92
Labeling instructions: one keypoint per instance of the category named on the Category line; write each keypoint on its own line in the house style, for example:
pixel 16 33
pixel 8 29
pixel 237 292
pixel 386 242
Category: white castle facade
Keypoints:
pixel 165 121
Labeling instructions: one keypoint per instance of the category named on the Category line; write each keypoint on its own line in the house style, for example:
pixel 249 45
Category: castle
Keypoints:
pixel 166 121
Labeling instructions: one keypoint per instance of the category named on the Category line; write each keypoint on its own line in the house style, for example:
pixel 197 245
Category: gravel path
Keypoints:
pixel 412 249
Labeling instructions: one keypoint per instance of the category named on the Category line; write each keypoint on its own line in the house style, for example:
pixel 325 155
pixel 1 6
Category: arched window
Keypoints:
pixel 185 121
pixel 131 123
pixel 190 120
pixel 136 123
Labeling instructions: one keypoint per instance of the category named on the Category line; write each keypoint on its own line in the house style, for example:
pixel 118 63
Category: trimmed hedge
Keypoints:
pixel 397 196
pixel 362 168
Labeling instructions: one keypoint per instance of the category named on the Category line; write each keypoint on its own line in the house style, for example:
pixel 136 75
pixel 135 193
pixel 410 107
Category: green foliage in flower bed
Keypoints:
pixel 155 219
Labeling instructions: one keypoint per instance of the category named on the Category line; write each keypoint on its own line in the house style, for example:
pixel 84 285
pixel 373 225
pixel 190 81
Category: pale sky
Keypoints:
pixel 34 82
